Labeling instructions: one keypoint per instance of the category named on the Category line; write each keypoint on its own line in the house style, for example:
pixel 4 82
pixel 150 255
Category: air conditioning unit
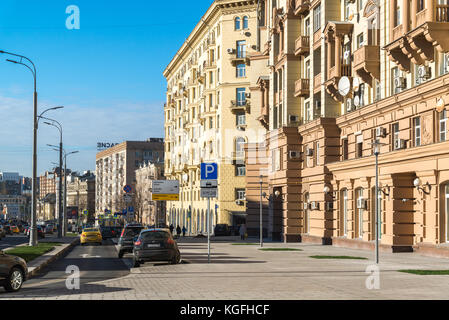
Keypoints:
pixel 248 95
pixel 349 105
pixel 306 206
pixel 293 118
pixel 309 152
pixel 381 132
pixel 329 206
pixel 294 154
pixel 400 82
pixel 400 144
pixel 315 205
pixel 231 50
pixel 362 204
pixel 424 72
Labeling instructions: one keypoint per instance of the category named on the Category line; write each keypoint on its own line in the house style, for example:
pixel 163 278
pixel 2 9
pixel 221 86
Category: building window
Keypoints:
pixel 344 213
pixel 239 143
pixel 240 194
pixel 308 112
pixel 241 119
pixel 421 5
pixel 443 125
pixel 237 23
pixel 241 70
pixel 395 130
pixel 345 150
pixel 347 9
pixel 317 18
pixel 360 5
pixel 241 49
pixel 211 123
pixel 417 131
pixel 307 27
pixel 360 40
pixel 359 218
pixel 306 213
pixel 396 80
pixel 359 146
pixel 317 153
pixel 398 19
pixel 245 22
pixel 241 98
pixel 240 171
pixel 447 211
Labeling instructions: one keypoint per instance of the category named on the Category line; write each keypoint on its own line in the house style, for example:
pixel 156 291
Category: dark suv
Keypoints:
pixel 129 234
pixel 155 245
pixel 222 230
pixel 108 232
pixel 13 272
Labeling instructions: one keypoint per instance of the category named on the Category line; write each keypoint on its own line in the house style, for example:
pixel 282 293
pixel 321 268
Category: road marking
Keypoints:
pixel 87 256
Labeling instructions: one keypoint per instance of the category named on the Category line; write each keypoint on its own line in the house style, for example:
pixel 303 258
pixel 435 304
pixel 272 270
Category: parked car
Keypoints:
pixel 91 235
pixel 155 245
pixel 49 228
pixel 129 234
pixel 2 232
pixel 222 230
pixel 7 229
pixel 118 231
pixel 13 272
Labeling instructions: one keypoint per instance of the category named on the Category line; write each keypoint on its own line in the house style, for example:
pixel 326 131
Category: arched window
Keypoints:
pixel 344 213
pixel 359 214
pixel 306 222
pixel 239 143
pixel 237 23
pixel 245 22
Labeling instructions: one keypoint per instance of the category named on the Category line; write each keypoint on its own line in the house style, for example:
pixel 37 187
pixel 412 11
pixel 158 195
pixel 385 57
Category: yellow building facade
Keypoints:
pixel 209 115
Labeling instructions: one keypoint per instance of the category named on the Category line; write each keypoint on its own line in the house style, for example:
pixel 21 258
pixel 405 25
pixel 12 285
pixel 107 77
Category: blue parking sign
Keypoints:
pixel 209 171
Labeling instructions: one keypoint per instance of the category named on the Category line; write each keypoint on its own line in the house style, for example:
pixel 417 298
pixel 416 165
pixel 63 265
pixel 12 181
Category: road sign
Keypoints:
pixel 165 190
pixel 209 183
pixel 86 212
pixel 209 193
pixel 209 171
pixel 127 188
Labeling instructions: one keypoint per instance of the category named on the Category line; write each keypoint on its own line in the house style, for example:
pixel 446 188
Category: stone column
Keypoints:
pixel 392 17
pixel 430 6
pixel 405 16
pixel 413 12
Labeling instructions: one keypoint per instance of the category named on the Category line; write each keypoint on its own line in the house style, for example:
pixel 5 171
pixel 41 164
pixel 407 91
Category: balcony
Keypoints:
pixel 210 64
pixel 415 41
pixel 201 78
pixel 302 7
pixel 237 59
pixel 240 105
pixel 333 77
pixel 367 63
pixel 302 45
pixel 302 88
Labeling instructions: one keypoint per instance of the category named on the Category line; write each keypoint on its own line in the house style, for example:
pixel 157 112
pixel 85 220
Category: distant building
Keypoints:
pixel 10 176
pixel 81 192
pixel 13 207
pixel 115 168
pixel 146 210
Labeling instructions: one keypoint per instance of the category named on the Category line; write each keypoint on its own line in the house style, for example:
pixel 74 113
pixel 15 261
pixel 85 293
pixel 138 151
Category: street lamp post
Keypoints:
pixel 260 214
pixel 60 216
pixel 65 192
pixel 33 231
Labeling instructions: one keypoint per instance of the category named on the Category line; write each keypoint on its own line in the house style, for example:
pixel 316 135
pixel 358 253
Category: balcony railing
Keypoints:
pixel 345 70
pixel 302 87
pixel 302 45
pixel 442 13
pixel 317 83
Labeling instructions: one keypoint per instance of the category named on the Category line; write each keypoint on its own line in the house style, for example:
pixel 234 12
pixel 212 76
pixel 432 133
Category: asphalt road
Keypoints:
pixel 95 263
pixel 12 240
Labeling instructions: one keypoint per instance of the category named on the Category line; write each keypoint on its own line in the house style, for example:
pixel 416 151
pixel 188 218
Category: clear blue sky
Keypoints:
pixel 107 74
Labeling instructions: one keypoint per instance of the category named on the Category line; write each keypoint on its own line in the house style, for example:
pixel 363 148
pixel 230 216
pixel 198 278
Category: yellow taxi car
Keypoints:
pixel 91 235
pixel 15 229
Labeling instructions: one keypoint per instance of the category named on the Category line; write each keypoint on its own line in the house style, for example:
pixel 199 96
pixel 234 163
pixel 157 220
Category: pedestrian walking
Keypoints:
pixel 172 227
pixel 178 230
pixel 242 231
pixel 184 231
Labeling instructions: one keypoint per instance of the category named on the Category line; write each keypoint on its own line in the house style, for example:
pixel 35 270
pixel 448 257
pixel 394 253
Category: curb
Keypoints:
pixel 51 259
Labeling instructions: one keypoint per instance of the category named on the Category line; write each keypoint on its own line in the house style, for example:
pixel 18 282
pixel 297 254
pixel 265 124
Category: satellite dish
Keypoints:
pixel 344 86
pixel 356 101
pixel 355 84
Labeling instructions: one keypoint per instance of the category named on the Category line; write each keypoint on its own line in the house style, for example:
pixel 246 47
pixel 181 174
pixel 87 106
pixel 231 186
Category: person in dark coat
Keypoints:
pixel 172 228
pixel 178 230
pixel 184 231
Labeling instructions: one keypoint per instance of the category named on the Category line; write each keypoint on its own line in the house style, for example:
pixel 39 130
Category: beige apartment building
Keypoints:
pixel 208 114
pixel 342 75
pixel 81 193
pixel 116 168
pixel 148 211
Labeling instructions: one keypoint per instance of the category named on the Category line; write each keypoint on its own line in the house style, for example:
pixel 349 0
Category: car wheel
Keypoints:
pixel 14 281
pixel 120 254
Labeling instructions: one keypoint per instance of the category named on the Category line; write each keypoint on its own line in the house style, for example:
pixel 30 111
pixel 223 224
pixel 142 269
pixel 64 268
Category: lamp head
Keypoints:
pixel 417 182
pixel 326 190
pixel 277 193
